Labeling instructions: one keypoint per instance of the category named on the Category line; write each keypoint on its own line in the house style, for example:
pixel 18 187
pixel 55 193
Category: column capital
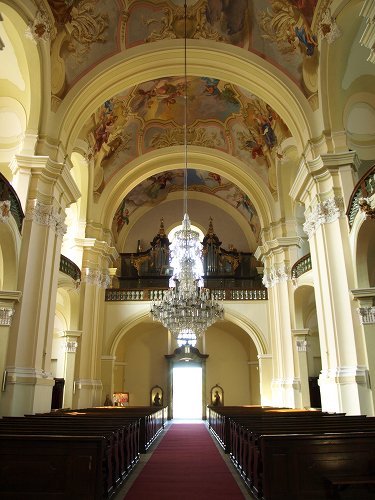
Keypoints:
pixel 324 212
pixel 321 174
pixel 277 273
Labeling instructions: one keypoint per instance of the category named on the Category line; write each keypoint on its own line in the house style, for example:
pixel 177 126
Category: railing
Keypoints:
pixel 119 295
pixel 70 268
pixel 301 266
pixel 7 193
pixel 364 188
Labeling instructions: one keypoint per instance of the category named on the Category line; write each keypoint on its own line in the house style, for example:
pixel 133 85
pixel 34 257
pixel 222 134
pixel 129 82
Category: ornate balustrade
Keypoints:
pixel 119 295
pixel 301 266
pixel 359 200
pixel 8 195
pixel 70 268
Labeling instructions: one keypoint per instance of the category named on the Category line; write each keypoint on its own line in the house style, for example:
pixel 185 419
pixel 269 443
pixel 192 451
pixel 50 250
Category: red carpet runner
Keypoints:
pixel 186 465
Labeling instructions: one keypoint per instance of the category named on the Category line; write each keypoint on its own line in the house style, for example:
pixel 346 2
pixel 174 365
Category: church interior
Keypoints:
pixel 257 118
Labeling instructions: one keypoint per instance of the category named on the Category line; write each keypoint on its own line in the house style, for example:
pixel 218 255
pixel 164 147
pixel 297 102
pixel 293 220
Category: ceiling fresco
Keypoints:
pixel 151 116
pixel 156 189
pixel 86 32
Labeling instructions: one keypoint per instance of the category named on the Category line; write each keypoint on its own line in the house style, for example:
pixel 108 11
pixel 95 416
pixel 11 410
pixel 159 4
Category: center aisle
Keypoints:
pixel 186 465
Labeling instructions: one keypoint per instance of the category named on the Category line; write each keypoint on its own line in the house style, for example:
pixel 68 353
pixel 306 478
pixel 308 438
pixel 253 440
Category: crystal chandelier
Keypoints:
pixel 186 308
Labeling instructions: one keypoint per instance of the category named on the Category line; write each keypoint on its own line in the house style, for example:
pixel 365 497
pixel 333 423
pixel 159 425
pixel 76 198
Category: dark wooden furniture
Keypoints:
pixel 64 450
pixel 293 454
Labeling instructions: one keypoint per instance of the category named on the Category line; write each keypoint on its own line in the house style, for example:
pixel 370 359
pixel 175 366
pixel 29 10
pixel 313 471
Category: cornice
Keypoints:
pixel 319 169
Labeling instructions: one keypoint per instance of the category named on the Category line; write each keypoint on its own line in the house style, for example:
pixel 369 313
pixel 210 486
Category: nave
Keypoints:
pixel 185 463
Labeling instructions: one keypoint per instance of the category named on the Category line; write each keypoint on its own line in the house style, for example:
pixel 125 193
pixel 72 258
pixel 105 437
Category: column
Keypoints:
pixel 95 278
pixel 71 344
pixel 108 375
pixel 276 254
pixel 265 379
pixel 29 378
pixel 324 186
pixel 301 345
pixel 366 312
pixel 8 299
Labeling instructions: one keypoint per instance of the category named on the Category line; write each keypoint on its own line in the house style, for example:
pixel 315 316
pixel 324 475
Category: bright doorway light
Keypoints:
pixel 187 392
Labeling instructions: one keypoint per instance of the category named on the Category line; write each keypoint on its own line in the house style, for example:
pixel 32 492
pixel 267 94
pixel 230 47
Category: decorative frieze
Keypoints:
pixel 328 28
pixel 324 212
pixel 277 274
pixel 368 37
pixel 95 277
pixel 46 215
pixel 71 345
pixel 367 315
pixel 4 210
pixel 40 28
pixel 365 205
pixel 302 345
pixel 6 314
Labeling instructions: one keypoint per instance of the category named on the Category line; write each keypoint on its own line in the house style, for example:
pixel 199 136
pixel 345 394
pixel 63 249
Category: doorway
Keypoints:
pixel 187 392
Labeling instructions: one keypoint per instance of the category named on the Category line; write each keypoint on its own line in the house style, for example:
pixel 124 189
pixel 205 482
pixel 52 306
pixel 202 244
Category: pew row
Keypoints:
pixel 316 446
pixel 120 434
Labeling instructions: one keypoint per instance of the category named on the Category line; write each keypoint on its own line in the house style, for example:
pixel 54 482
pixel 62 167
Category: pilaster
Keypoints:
pixel 324 185
pixel 29 382
pixel 265 379
pixel 108 372
pixel 95 278
pixel 72 339
pixel 277 255
pixel 301 345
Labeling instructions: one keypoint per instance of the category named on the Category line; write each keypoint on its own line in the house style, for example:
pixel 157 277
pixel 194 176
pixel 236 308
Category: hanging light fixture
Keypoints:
pixel 186 309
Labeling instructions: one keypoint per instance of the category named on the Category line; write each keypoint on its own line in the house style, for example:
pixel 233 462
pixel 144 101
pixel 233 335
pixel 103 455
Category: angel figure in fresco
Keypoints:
pixel 287 25
pixel 211 84
pixel 158 183
pixel 121 216
pixel 242 200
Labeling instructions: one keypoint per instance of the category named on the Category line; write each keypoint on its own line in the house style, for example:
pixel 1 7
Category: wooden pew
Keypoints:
pixel 122 432
pixel 297 466
pixel 51 467
pixel 244 429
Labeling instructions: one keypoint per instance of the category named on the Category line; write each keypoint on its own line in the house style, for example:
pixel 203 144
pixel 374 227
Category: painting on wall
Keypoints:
pixel 151 116
pixel 156 188
pixel 85 32
pixel 120 399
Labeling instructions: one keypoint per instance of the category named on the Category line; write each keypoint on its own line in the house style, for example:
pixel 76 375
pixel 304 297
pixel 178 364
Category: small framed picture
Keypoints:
pixel 217 395
pixel 121 399
pixel 156 396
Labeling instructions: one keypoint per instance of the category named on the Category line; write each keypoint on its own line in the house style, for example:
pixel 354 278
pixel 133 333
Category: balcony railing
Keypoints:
pixel 301 266
pixel 364 189
pixel 70 268
pixel 7 193
pixel 120 295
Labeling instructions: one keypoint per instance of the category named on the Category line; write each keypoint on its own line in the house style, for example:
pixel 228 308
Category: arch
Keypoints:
pixel 364 258
pixel 173 158
pixel 344 65
pixel 9 249
pixel 250 328
pixel 166 58
pixel 304 304
pixel 220 203
pixel 29 58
